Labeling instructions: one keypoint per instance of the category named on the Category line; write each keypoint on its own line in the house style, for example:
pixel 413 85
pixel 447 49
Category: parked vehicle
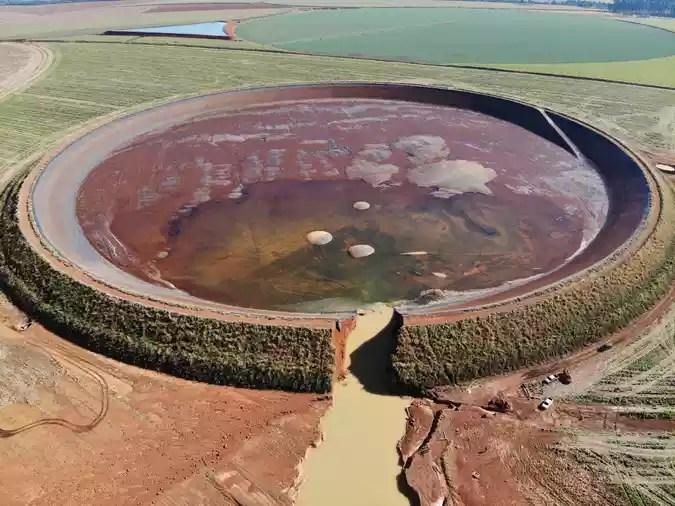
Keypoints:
pixel 545 404
pixel 549 379
pixel 23 326
pixel 605 347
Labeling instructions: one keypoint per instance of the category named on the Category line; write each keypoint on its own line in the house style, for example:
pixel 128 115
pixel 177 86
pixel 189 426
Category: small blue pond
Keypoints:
pixel 211 29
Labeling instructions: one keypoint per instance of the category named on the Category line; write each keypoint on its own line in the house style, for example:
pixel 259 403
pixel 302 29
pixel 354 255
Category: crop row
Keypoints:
pixel 238 354
pixel 632 479
pixel 576 315
pixel 92 79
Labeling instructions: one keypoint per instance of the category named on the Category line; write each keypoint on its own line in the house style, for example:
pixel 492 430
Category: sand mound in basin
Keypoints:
pixel 319 237
pixel 453 177
pixel 372 173
pixel 361 250
pixel 422 149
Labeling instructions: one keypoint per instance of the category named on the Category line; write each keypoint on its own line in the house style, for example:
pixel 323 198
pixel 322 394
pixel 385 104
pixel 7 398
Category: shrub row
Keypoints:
pixel 578 314
pixel 229 353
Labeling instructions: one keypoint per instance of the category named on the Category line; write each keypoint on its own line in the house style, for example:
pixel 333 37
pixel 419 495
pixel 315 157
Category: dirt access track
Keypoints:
pixel 21 65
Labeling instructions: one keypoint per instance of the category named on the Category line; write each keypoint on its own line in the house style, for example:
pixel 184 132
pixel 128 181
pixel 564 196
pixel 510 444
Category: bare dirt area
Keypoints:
pixel 80 429
pixel 475 457
pixel 606 440
pixel 51 20
pixel 20 65
pixel 212 6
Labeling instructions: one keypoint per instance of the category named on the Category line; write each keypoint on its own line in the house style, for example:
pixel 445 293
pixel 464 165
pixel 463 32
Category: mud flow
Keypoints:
pixel 458 202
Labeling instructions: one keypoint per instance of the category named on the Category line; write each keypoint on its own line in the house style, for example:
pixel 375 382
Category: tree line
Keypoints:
pixel 651 7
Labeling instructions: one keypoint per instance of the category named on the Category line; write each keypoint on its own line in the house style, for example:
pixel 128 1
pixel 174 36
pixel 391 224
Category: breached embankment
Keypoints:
pixel 357 462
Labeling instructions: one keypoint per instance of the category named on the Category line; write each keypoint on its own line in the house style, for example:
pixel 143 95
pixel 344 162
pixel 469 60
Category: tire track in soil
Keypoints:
pixel 39 59
pixel 58 353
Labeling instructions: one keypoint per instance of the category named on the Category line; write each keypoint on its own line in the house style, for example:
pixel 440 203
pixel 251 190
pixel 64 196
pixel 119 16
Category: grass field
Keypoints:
pixel 92 79
pixel 461 36
pixel 657 71
pixel 641 378
pixel 640 468
pixel 665 23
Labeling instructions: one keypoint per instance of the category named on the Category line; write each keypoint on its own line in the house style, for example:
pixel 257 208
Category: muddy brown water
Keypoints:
pixel 220 207
pixel 357 461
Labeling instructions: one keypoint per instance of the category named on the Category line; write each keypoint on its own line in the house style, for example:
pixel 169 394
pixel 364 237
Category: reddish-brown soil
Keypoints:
pixel 231 29
pixel 340 336
pixel 512 454
pixel 107 433
pixel 474 457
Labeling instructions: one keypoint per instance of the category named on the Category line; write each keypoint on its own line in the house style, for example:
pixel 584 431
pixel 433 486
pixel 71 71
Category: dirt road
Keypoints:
pixel 21 65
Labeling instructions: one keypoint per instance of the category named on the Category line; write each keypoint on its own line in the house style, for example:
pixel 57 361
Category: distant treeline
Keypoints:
pixel 644 7
pixel 651 7
pixel 44 2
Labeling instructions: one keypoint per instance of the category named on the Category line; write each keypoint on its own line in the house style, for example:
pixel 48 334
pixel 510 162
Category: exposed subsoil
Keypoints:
pixel 107 433
pixel 456 449
pixel 231 29
pixel 474 457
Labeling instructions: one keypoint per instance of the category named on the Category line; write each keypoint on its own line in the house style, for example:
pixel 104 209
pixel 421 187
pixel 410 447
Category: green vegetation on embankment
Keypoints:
pixel 578 314
pixel 238 354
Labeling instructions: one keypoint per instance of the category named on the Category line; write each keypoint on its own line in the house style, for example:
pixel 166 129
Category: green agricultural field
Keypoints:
pixel 461 36
pixel 665 23
pixel 90 80
pixel 657 71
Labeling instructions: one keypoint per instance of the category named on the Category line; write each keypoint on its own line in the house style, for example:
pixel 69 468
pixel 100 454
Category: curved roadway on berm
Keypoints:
pixel 51 190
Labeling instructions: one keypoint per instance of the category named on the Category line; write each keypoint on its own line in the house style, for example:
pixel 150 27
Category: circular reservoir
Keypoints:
pixel 231 198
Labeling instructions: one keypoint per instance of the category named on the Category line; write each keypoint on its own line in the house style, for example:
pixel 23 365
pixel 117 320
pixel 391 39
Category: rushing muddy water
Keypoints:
pixel 357 461
pixel 221 207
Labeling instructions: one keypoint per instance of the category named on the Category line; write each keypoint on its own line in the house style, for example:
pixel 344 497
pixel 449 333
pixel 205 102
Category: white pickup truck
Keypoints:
pixel 545 404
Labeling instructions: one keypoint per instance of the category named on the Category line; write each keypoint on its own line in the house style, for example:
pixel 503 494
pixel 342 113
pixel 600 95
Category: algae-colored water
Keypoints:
pixel 253 251
pixel 357 462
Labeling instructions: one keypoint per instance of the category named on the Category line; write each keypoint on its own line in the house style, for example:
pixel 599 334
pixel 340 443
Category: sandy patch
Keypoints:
pixel 371 172
pixel 453 177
